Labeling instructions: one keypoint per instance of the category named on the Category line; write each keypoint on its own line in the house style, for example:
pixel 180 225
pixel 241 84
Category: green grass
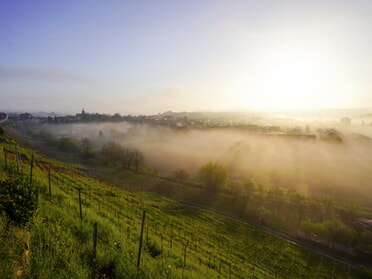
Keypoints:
pixel 216 246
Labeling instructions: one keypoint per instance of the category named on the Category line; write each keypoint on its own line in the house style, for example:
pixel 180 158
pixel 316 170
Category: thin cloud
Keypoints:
pixel 42 74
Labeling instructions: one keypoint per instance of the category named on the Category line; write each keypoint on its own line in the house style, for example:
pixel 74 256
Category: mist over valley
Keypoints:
pixel 288 158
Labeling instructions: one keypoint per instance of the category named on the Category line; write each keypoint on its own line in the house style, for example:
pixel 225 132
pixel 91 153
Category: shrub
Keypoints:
pixel 18 199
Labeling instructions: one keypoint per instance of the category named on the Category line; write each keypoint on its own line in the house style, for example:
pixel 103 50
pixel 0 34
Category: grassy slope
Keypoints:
pixel 216 246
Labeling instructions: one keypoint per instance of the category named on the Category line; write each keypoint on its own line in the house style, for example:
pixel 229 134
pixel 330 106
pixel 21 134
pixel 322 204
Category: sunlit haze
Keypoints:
pixel 145 57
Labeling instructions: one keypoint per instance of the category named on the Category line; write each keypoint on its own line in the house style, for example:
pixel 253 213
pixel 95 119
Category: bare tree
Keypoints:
pixel 138 159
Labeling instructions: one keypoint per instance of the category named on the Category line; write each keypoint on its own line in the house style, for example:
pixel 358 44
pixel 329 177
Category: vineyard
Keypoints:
pixel 86 228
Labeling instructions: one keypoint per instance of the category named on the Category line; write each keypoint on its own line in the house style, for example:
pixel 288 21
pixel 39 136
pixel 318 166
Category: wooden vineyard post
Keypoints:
pixel 50 186
pixel 37 194
pixel 171 238
pixel 141 239
pixel 94 266
pixel 31 167
pixel 5 159
pixel 184 257
pixel 147 233
pixel 81 212
pixel 17 159
pixel 334 269
pixel 219 267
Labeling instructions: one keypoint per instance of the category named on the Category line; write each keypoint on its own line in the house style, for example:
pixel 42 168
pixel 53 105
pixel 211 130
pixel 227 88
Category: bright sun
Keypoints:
pixel 292 77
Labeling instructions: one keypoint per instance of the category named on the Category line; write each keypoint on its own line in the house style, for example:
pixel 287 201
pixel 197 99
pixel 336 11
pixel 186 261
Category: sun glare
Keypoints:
pixel 293 78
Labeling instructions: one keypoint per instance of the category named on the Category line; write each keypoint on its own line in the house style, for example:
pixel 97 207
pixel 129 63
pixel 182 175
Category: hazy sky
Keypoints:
pixel 152 56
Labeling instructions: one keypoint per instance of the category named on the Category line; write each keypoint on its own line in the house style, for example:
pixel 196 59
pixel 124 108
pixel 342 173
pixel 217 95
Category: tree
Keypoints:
pixel 86 145
pixel 138 159
pixel 260 194
pixel 263 215
pixel 349 212
pixel 48 138
pixel 364 242
pixel 181 174
pixel 319 229
pixel 67 145
pixel 100 138
pixel 116 117
pixel 213 176
pixel 333 230
pixel 275 196
pixel 112 153
pixel 86 149
pixel 328 205
pixel 297 202
pixel 18 199
pixel 248 188
pixel 339 232
pixel 127 159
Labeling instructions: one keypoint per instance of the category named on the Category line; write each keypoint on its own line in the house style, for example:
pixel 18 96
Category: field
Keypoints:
pixel 179 241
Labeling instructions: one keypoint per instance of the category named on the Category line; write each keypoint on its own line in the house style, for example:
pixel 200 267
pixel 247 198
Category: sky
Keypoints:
pixel 147 57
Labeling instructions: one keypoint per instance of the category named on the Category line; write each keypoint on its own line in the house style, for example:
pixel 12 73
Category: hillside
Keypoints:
pixel 179 241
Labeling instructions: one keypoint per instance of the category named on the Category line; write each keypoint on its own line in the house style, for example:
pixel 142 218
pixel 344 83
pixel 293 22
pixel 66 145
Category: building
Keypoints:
pixel 3 117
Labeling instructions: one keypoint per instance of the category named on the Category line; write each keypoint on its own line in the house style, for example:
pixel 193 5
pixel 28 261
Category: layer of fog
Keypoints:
pixel 310 166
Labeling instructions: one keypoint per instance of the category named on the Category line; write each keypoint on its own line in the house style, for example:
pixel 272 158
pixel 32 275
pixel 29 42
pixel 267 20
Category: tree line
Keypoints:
pixel 110 154
pixel 287 210
pixel 113 153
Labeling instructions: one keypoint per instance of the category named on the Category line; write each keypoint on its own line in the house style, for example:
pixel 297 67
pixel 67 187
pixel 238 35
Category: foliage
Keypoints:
pixel 365 242
pixel 213 176
pixel 364 273
pixel 86 149
pixel 248 188
pixel 339 232
pixel 217 246
pixel 2 132
pixel 67 145
pixel 113 153
pixel 181 174
pixel 152 247
pixel 18 199
pixel 333 230
pixel 350 211
pixel 48 138
pixel 13 242
pixel 331 135
pixel 138 159
pixel 314 228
